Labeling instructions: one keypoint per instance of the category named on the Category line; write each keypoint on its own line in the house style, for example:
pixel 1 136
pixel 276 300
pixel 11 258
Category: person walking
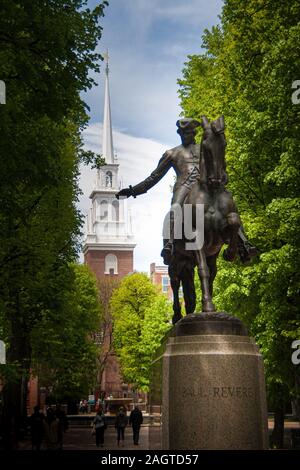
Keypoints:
pixel 37 428
pixel 100 426
pixel 51 430
pixel 136 419
pixel 120 425
pixel 63 424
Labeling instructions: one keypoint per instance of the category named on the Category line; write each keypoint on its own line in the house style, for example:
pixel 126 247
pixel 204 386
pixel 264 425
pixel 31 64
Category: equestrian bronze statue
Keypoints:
pixel 201 179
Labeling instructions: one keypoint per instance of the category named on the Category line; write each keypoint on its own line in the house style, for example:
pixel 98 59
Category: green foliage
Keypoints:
pixel 246 73
pixel 46 55
pixel 90 158
pixel 64 354
pixel 141 319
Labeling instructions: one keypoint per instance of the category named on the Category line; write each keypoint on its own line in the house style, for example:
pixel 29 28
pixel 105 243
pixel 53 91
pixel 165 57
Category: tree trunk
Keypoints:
pixel 14 411
pixel 297 400
pixel 11 415
pixel 277 437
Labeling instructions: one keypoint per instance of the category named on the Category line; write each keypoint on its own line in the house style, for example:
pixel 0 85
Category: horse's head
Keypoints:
pixel 213 148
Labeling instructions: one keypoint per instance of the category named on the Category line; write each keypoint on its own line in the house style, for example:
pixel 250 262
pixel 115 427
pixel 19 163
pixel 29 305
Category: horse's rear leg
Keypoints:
pixel 212 266
pixel 175 284
pixel 188 288
pixel 203 271
pixel 234 223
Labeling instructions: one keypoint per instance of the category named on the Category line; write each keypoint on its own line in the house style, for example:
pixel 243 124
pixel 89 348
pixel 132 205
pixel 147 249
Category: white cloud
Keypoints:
pixel 144 100
pixel 137 158
pixel 147 54
pixel 191 12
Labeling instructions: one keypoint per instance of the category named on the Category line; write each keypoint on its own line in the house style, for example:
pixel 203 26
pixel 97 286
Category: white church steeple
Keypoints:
pixel 107 137
pixel 108 227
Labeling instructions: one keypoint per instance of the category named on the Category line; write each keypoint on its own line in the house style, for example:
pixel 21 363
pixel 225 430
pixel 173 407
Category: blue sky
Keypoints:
pixel 148 43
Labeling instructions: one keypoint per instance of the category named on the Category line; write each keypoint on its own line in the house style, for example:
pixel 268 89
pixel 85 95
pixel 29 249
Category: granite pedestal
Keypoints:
pixel 213 386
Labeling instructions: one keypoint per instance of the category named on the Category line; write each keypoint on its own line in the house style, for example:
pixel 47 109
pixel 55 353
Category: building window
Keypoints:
pixel 103 210
pixel 115 211
pixel 165 281
pixel 108 179
pixel 111 264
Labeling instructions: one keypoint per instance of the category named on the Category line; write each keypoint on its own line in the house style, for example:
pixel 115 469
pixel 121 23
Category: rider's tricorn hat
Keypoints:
pixel 187 124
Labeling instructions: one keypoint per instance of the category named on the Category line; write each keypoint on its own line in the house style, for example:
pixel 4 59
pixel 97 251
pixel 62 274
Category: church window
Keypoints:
pixel 115 210
pixel 103 210
pixel 108 179
pixel 111 264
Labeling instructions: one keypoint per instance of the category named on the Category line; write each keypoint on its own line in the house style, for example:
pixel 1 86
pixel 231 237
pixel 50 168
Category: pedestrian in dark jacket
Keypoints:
pixel 63 424
pixel 37 428
pixel 51 424
pixel 136 419
pixel 120 425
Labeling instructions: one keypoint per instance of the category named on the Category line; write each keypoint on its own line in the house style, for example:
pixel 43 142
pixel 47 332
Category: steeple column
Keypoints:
pixel 107 138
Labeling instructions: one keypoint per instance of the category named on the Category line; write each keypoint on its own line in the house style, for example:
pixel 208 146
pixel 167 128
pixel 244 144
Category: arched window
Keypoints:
pixel 115 210
pixel 103 210
pixel 111 264
pixel 108 179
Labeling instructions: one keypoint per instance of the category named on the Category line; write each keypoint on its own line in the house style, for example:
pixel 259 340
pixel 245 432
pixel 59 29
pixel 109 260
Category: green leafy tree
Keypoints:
pixel 106 287
pixel 64 352
pixel 246 73
pixel 141 318
pixel 46 55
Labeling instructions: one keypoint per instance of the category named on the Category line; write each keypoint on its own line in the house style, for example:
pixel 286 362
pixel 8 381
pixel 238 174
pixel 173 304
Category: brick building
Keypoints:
pixel 109 242
pixel 159 276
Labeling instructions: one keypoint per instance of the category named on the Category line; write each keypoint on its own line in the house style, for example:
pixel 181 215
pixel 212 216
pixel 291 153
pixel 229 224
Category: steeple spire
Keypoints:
pixel 107 139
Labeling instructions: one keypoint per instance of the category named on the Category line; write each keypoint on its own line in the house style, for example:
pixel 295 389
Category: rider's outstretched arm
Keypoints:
pixel 162 168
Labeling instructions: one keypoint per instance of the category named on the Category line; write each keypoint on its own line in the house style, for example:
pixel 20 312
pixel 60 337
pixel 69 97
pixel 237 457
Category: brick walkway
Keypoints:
pixel 80 438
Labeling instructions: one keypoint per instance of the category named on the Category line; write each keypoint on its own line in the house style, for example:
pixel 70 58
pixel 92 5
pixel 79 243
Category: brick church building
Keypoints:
pixel 109 242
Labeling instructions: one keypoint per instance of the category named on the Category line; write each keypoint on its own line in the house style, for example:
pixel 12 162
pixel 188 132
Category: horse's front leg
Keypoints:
pixel 211 262
pixel 203 271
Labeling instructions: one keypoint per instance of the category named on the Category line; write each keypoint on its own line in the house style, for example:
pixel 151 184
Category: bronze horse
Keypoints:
pixel 222 225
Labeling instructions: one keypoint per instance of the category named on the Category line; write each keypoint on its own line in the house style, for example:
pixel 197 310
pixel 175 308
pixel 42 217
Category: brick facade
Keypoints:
pixel 112 383
pixel 159 276
pixel 95 259
pixel 33 397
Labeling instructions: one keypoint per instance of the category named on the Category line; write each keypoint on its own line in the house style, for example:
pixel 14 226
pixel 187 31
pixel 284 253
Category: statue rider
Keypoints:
pixel 185 160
